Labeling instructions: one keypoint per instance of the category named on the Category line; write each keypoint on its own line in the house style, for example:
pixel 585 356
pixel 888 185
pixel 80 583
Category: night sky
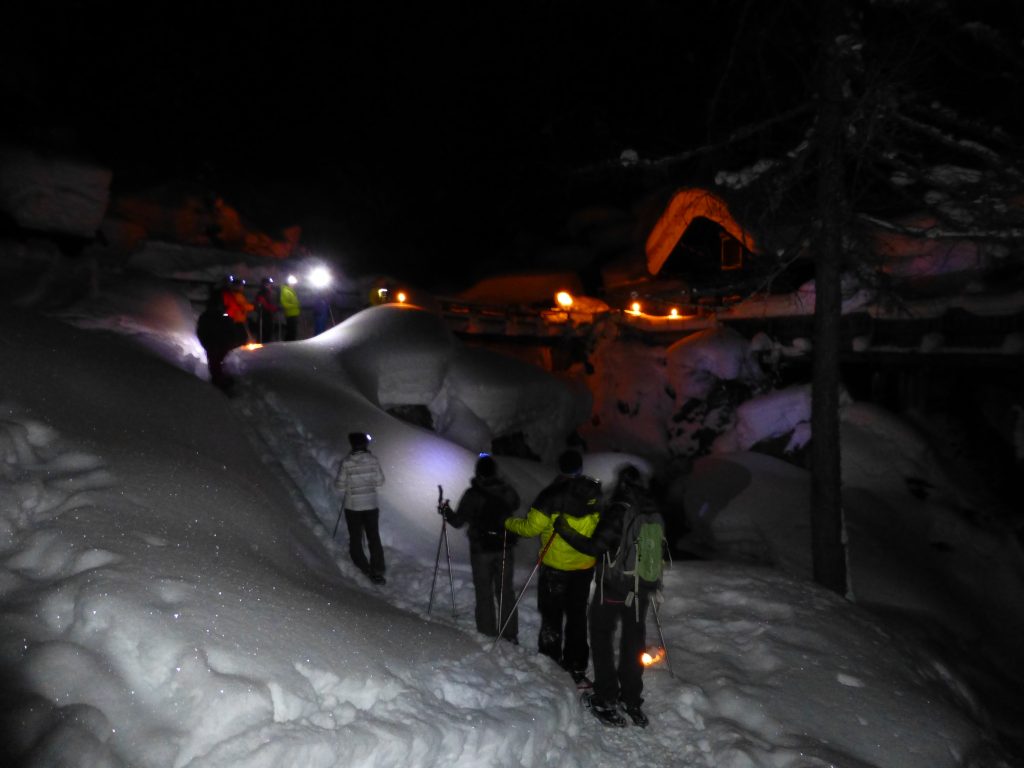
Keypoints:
pixel 418 131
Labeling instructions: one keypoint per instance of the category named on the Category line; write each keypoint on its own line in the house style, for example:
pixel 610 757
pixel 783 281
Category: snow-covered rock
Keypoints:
pixel 53 194
pixel 773 414
pixel 399 356
pixel 697 362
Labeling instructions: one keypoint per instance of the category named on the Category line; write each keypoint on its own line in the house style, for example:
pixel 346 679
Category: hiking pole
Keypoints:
pixel 441 504
pixel 664 645
pixel 340 513
pixel 536 567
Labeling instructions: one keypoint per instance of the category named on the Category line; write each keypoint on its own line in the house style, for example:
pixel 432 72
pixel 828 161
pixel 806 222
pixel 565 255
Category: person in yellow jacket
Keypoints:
pixel 289 302
pixel 563 587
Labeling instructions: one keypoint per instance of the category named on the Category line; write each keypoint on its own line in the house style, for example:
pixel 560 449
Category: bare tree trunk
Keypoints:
pixel 826 477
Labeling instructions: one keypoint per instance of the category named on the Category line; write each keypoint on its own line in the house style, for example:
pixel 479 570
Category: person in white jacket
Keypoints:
pixel 358 479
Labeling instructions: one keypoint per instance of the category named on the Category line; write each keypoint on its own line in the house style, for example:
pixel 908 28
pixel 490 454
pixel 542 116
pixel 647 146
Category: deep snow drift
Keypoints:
pixel 171 596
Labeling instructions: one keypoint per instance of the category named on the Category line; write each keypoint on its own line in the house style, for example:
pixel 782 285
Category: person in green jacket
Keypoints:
pixel 290 306
pixel 563 587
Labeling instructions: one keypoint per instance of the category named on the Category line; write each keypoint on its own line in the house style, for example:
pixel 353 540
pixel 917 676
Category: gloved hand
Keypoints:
pixel 561 526
pixel 445 510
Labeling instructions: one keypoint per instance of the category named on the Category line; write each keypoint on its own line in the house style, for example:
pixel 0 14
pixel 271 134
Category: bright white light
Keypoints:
pixel 292 280
pixel 319 277
pixel 401 297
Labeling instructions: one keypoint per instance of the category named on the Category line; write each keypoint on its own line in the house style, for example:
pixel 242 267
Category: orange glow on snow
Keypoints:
pixel 685 206
pixel 252 345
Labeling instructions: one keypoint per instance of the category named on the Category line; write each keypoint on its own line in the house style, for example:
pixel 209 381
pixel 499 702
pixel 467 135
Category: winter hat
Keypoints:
pixel 570 462
pixel 486 467
pixel 630 475
pixel 358 440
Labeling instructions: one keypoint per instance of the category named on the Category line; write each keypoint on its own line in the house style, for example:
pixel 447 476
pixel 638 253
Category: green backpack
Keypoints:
pixel 637 566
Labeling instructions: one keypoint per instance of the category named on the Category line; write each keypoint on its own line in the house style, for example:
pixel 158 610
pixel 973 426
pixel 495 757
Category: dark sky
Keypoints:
pixel 433 127
pixel 430 129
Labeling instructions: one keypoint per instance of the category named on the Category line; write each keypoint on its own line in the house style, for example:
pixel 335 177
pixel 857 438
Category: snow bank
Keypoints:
pixel 170 595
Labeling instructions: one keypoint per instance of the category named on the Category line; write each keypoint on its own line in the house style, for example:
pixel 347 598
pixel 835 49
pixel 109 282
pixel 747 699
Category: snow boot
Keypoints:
pixel 378 578
pixel 607 715
pixel 636 715
pixel 583 683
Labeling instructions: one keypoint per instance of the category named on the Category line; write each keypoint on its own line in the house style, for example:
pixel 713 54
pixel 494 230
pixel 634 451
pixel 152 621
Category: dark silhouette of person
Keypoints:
pixel 218 334
pixel 485 506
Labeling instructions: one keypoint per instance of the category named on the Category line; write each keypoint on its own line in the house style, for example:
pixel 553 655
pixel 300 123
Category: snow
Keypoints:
pixel 171 595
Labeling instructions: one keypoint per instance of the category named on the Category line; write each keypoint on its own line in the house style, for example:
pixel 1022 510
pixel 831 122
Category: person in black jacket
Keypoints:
pixel 217 333
pixel 609 609
pixel 485 505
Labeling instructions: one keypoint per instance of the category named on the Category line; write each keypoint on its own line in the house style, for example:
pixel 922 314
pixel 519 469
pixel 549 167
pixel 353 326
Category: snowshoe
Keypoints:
pixel 609 716
pixel 637 715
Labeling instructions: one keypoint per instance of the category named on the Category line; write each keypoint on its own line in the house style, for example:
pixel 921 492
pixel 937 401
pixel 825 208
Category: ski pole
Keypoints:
pixel 529 578
pixel 448 554
pixel 501 585
pixel 443 539
pixel 340 513
pixel 437 557
pixel 664 645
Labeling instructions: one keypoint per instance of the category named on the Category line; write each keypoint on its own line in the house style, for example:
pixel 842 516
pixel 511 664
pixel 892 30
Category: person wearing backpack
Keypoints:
pixel 630 531
pixel 485 506
pixel 563 586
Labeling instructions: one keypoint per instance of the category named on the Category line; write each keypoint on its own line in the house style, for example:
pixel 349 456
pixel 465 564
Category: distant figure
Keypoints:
pixel 237 306
pixel 321 315
pixel 488 502
pixel 563 587
pixel 266 312
pixel 379 293
pixel 291 308
pixel 617 603
pixel 218 334
pixel 358 479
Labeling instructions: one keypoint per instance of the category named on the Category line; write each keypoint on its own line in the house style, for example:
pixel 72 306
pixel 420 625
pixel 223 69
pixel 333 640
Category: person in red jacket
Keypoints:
pixel 266 310
pixel 237 306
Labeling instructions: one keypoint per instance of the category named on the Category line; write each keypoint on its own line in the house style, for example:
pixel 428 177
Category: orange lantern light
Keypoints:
pixel 564 299
pixel 401 297
pixel 635 307
pixel 648 659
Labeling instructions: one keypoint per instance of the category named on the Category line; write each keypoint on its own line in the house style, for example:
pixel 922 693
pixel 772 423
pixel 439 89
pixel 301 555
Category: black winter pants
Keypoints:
pixel 562 601
pixel 358 523
pixel 490 590
pixel 624 681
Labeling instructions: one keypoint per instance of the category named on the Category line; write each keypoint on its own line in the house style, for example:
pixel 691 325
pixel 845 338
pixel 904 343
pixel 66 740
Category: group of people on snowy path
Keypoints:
pixel 579 537
pixel 230 320
pixel 577 532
